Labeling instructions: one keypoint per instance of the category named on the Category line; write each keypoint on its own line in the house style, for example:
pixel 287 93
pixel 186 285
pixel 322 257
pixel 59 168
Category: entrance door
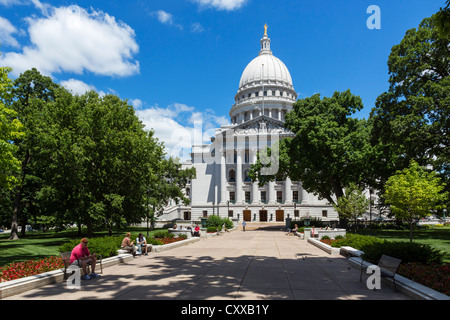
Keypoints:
pixel 279 215
pixel 247 215
pixel 262 215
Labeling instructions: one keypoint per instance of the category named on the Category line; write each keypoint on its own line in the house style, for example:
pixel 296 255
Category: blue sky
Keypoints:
pixel 180 61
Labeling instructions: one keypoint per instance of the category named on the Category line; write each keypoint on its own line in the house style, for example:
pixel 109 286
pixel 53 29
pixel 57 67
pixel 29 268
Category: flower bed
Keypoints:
pixel 168 240
pixel 28 268
pixel 436 277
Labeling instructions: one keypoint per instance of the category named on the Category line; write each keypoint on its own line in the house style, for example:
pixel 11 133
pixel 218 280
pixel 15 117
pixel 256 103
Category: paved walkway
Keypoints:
pixel 256 264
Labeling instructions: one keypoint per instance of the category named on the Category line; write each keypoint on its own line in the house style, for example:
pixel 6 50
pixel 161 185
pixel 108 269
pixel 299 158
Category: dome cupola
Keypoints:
pixel 265 87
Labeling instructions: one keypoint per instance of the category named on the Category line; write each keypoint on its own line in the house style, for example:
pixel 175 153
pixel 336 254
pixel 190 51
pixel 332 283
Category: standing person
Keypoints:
pixel 81 257
pixel 243 225
pixel 141 243
pixel 127 244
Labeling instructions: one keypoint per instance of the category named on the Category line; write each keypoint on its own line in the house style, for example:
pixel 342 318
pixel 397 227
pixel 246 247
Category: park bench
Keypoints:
pixel 65 256
pixel 388 267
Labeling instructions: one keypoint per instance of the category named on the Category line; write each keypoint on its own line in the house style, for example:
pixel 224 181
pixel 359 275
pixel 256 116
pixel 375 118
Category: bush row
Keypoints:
pixel 374 248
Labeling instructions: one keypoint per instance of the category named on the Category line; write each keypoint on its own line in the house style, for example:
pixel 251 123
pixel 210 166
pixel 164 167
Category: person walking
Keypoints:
pixel 243 225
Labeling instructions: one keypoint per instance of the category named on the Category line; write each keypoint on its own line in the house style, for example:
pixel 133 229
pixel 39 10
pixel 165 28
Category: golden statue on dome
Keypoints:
pixel 265 29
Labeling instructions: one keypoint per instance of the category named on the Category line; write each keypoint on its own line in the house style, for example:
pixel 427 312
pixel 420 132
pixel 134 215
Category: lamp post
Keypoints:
pixel 228 206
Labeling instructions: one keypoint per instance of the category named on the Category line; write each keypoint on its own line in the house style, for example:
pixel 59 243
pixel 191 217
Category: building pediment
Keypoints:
pixel 261 125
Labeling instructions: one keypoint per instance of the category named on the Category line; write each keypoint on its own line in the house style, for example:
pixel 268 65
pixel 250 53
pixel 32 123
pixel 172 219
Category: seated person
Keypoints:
pixel 127 244
pixel 141 242
pixel 196 231
pixel 224 228
pixel 81 257
pixel 174 227
pixel 291 231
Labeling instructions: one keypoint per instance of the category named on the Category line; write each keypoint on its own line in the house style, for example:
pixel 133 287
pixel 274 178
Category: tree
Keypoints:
pixel 413 193
pixel 443 21
pixel 97 158
pixel 329 150
pixel 29 90
pixel 10 130
pixel 353 204
pixel 411 121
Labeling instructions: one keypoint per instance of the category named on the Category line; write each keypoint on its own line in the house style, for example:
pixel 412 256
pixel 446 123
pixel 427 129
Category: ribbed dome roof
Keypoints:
pixel 265 67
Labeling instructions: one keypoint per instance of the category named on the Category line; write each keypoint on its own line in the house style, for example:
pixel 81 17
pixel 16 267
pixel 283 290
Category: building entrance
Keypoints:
pixel 279 215
pixel 262 215
pixel 247 215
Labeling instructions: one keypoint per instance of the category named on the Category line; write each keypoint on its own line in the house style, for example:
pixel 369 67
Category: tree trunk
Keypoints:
pixel 410 231
pixel 14 223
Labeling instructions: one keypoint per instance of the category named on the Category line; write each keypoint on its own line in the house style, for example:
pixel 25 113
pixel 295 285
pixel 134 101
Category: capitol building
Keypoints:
pixel 222 185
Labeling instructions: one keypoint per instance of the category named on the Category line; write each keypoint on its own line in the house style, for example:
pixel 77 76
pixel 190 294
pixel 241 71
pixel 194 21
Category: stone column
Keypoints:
pixel 223 177
pixel 288 191
pixel 304 196
pixel 255 188
pixel 239 180
pixel 271 192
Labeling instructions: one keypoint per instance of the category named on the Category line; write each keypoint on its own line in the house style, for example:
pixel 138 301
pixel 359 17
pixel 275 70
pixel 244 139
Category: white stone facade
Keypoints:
pixel 221 187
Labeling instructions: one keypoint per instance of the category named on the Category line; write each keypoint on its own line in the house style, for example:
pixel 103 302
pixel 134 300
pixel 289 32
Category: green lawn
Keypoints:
pixel 37 244
pixel 438 237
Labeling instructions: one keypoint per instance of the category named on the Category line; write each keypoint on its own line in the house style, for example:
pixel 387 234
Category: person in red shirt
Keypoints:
pixel 81 257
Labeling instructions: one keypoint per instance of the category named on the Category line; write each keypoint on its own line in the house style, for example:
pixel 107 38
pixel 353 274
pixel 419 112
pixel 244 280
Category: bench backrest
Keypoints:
pixel 389 264
pixel 65 256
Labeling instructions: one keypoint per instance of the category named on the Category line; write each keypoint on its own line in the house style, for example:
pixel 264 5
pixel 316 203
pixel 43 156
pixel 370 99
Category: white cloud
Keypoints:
pixel 180 126
pixel 228 5
pixel 197 27
pixel 166 18
pixel 10 2
pixel 71 39
pixel 136 103
pixel 79 87
pixel 6 32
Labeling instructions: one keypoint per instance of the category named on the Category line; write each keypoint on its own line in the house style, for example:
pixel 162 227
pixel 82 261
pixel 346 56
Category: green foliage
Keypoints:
pixel 353 204
pixel 329 150
pixel 313 222
pixel 163 234
pixel 216 221
pixel 212 229
pixel 411 120
pixel 413 193
pixel 355 241
pixel 105 246
pixel 406 251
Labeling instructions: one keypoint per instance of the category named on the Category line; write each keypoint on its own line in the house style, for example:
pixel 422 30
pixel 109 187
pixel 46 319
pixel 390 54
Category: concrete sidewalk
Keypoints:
pixel 256 265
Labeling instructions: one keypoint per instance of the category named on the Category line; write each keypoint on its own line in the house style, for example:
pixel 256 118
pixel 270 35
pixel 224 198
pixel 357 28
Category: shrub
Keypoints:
pixel 104 246
pixel 163 234
pixel 356 241
pixel 339 237
pixel 406 251
pixel 212 229
pixel 325 238
pixel 155 242
pixel 216 221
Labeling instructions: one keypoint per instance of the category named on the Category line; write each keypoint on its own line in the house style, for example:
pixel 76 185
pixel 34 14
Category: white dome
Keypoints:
pixel 266 67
